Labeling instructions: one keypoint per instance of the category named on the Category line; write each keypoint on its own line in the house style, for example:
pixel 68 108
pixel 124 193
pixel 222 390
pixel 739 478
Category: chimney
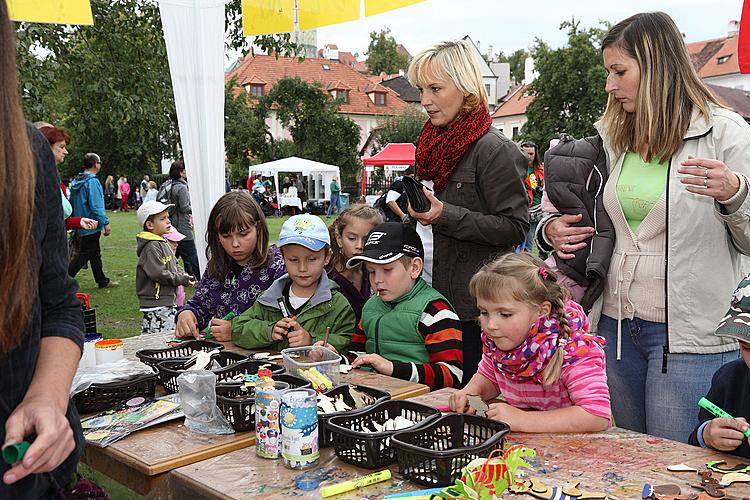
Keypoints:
pixel 733 29
pixel 489 53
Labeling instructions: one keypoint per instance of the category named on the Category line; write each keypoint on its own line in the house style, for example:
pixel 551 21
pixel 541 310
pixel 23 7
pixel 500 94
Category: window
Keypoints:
pixel 516 130
pixel 343 95
pixel 379 99
pixel 487 88
pixel 326 67
pixel 722 59
pixel 256 90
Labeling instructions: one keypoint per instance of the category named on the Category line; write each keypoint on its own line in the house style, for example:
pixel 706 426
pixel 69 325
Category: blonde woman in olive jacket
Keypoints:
pixel 677 197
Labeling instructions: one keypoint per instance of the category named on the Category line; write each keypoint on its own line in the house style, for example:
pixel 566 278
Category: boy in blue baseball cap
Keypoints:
pixel 299 306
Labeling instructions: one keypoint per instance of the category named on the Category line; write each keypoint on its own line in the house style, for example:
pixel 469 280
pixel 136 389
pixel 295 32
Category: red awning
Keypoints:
pixel 393 154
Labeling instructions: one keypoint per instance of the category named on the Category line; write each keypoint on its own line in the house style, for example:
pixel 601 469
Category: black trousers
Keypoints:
pixel 89 251
pixel 471 337
pixel 189 253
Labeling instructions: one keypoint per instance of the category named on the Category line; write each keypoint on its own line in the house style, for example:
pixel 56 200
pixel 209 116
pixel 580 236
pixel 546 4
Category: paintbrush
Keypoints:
pixel 328 334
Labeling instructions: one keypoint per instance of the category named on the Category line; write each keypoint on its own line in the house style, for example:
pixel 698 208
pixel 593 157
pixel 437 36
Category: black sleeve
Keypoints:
pixel 397 186
pixel 61 310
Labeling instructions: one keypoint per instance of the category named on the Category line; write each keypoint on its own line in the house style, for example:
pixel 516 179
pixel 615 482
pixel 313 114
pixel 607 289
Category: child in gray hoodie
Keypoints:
pixel 158 274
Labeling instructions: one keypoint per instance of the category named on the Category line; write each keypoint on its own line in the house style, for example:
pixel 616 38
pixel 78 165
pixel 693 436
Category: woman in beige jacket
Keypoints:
pixel 677 197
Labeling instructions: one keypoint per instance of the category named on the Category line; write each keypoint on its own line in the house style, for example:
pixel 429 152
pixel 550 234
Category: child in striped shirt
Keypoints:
pixel 537 352
pixel 408 330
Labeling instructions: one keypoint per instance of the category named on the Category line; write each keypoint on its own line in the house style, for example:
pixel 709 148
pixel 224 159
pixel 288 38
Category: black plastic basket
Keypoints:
pixel 435 453
pixel 100 397
pixel 170 369
pixel 239 406
pixel 354 443
pixel 183 351
pixel 89 320
pixel 325 438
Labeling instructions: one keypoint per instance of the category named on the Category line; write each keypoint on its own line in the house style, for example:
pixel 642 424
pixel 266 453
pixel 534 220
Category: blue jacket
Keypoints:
pixel 87 198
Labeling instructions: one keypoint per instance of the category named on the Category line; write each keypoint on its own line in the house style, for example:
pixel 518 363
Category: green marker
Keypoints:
pixel 208 334
pixel 718 412
pixel 13 453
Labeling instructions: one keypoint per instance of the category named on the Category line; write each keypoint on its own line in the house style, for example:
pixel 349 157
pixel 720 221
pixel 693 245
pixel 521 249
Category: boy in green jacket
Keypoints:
pixel 299 306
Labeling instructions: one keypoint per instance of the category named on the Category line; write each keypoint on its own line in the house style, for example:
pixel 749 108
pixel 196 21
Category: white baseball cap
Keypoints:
pixel 151 207
pixel 307 230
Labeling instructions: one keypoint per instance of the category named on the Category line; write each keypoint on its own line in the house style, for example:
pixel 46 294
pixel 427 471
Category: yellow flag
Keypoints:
pixel 261 17
pixel 51 11
pixel 373 7
pixel 316 13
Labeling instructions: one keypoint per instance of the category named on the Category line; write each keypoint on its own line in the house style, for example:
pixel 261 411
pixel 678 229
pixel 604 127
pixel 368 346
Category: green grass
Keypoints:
pixel 117 313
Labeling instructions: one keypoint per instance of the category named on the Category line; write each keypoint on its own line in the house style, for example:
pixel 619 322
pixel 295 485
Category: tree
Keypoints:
pixel 400 128
pixel 383 55
pixel 569 92
pixel 318 131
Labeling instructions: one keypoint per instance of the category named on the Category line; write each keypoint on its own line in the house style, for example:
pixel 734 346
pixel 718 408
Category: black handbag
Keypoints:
pixel 417 200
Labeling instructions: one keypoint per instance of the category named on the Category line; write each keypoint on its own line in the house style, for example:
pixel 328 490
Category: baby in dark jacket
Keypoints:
pixel 730 387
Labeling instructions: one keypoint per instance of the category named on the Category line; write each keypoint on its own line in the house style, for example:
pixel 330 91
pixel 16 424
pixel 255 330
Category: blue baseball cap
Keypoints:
pixel 307 230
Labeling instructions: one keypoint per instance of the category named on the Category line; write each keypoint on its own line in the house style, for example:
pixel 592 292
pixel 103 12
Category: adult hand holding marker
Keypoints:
pixel 726 432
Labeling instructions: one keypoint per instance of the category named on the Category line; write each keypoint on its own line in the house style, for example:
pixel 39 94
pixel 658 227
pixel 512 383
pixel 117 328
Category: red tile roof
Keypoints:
pixel 515 104
pixel 271 70
pixel 706 54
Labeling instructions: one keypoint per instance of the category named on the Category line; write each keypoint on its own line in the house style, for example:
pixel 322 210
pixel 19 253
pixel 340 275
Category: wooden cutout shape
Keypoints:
pixel 713 490
pixel 667 489
pixel 571 488
pixel 734 477
pixel 478 404
pixel 681 468
pixel 715 466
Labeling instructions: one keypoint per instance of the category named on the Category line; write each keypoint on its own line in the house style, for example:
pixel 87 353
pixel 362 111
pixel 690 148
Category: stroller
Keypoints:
pixel 267 203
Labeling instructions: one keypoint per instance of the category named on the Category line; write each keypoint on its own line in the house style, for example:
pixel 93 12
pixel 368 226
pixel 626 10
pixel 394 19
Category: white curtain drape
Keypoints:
pixel 194 33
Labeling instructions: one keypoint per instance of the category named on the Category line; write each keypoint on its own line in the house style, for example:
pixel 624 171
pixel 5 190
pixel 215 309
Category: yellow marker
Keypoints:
pixel 337 489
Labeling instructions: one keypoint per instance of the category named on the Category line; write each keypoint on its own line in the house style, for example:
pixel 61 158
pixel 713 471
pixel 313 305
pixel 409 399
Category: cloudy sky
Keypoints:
pixel 509 25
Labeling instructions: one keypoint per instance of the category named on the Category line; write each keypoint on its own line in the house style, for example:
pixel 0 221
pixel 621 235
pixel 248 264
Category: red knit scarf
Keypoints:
pixel 439 149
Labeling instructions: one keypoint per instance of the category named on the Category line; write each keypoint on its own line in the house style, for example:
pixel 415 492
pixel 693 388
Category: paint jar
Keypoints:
pixel 109 351
pixel 267 428
pixel 299 428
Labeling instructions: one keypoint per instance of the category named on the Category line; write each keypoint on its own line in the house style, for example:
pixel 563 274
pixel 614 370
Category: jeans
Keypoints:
pixel 529 243
pixel 643 398
pixel 186 249
pixel 471 341
pixel 89 251
pixel 335 200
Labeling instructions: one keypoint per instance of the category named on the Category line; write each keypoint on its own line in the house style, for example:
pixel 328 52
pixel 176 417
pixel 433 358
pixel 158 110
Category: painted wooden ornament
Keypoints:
pixel 734 477
pixel 478 404
pixel 716 466
pixel 681 468
pixel 538 489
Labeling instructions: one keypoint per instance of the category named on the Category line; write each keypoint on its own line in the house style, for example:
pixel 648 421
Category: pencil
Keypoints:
pixel 328 334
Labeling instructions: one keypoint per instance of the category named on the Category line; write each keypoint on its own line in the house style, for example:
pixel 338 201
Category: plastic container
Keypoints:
pixel 100 397
pixel 267 413
pixel 324 362
pixel 109 351
pixel 326 438
pixel 88 359
pixel 435 453
pixel 183 351
pixel 354 441
pixel 299 428
pixel 239 406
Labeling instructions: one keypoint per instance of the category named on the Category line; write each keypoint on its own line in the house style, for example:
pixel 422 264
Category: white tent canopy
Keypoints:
pixel 320 174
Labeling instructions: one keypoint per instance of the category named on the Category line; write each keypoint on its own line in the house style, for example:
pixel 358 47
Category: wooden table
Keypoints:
pixel 141 460
pixel 616 462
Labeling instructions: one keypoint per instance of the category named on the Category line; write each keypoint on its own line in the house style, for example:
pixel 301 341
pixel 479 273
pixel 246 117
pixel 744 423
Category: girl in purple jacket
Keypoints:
pixel 241 266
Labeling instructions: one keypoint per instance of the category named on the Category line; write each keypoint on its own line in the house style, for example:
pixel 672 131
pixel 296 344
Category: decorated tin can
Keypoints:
pixel 267 428
pixel 299 428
